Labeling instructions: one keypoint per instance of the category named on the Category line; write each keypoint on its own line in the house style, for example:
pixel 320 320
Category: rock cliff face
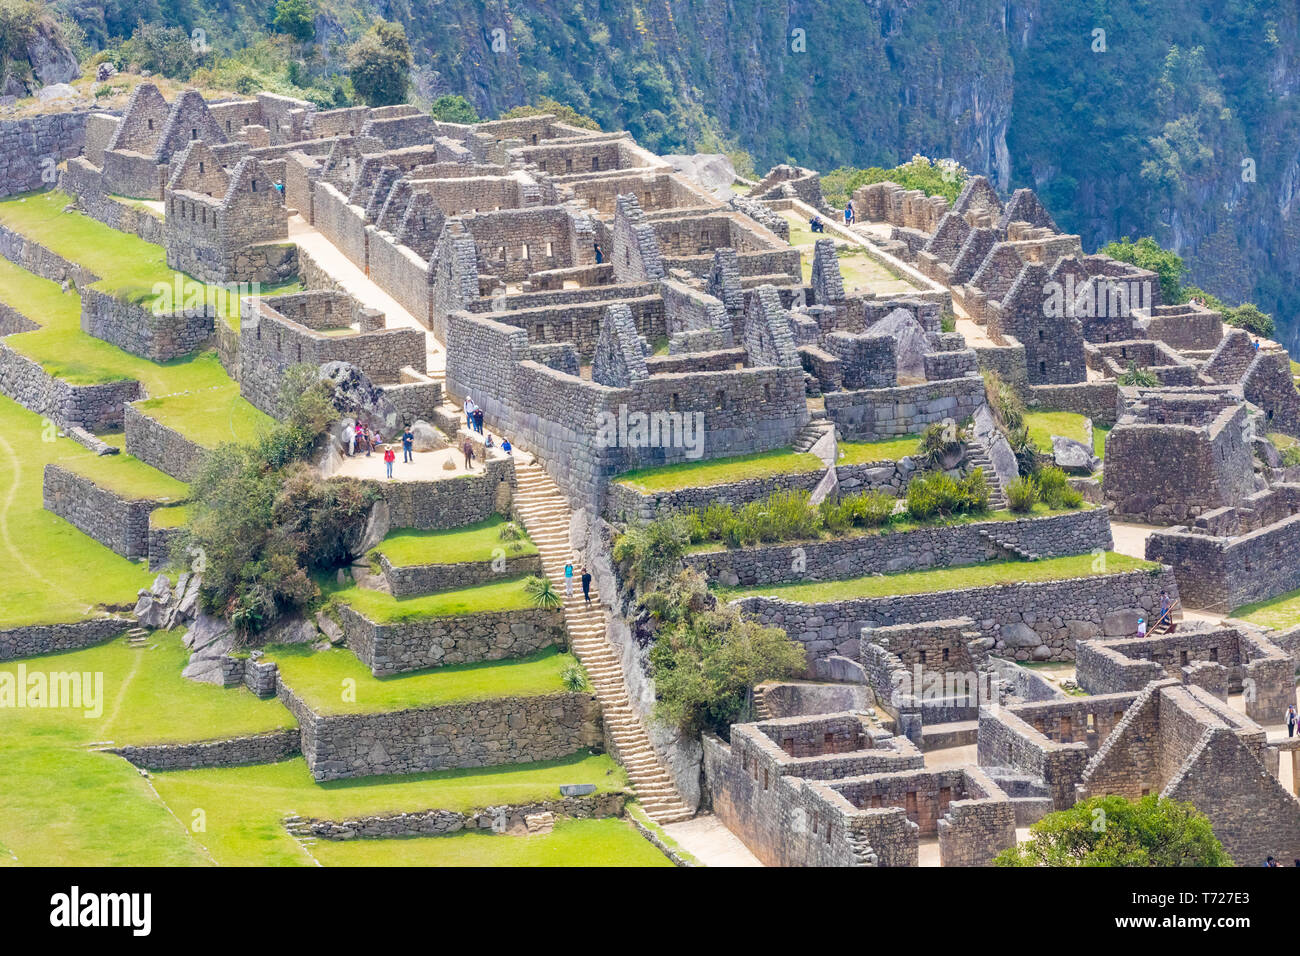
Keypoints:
pixel 42 59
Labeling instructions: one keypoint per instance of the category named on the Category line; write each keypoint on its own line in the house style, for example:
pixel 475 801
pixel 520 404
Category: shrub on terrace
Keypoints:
pixel 938 494
pixel 262 521
pixel 939 441
pixel 1021 494
pixel 1138 376
pixel 707 658
pixel 1054 489
pixel 542 593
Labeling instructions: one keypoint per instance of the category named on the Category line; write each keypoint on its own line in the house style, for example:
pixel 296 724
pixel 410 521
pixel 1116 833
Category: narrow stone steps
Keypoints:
pixel 546 516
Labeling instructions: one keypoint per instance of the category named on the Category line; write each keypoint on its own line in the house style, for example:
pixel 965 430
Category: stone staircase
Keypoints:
pixel 545 513
pixel 812 433
pixel 978 457
pixel 137 637
pixel 1012 549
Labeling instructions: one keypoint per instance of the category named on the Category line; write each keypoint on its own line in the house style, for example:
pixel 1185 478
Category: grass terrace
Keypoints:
pixel 174 516
pixel 608 842
pixel 245 806
pixel 64 804
pixel 720 471
pixel 407 547
pixel 130 478
pixel 382 608
pixel 945 579
pixel 208 416
pixel 888 449
pixel 1280 612
pixel 54 572
pixel 318 676
pixel 1043 425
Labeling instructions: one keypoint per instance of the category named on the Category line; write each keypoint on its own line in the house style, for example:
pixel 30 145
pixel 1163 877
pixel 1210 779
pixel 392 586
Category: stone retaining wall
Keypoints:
pixel 439 822
pixel 1038 620
pixel 157 336
pixel 462 639
pixel 1098 400
pixel 407 580
pixel 164 448
pixel 31 149
pixel 230 752
pixel 118 523
pixel 878 413
pixel 93 407
pixel 35 639
pixel 449 502
pixel 1074 532
pixel 625 503
pixel 484 733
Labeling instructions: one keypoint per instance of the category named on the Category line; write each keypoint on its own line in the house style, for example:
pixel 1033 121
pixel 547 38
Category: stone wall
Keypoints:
pixel 1225 572
pixel 157 336
pixel 118 523
pixel 32 148
pixel 164 448
pixel 480 734
pixel 35 639
pixel 872 414
pixel 230 752
pixel 424 823
pixel 625 502
pixel 449 502
pixel 412 579
pixel 1038 620
pixel 93 407
pixel 1075 532
pixel 1098 400
pixel 438 641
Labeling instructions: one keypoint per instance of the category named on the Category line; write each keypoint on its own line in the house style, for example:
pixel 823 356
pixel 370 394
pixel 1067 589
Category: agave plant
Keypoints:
pixel 574 679
pixel 542 593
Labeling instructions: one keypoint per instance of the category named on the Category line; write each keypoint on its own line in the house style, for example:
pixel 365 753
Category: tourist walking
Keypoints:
pixel 1164 608
pixel 467 447
pixel 390 456
pixel 600 257
pixel 408 445
pixel 848 214
pixel 469 412
pixel 568 580
pixel 586 585
pixel 367 439
pixel 478 420
pixel 1290 721
pixel 350 436
pixel 505 445
pixel 1142 627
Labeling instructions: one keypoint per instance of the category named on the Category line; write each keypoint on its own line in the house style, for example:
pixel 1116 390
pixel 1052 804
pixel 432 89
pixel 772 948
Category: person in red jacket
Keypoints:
pixel 389 457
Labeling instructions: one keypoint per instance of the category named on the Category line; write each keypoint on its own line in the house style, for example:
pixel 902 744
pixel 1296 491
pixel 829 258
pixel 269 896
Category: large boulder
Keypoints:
pixel 209 639
pixel 358 398
pixel 1071 455
pixel 427 438
pixel 910 342
pixel 711 171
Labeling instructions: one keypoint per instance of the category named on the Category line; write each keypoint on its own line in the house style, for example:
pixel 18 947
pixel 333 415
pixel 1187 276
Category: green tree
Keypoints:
pixel 451 108
pixel 159 49
pixel 562 112
pixel 379 65
pixel 707 658
pixel 1146 253
pixel 1113 831
pixel 297 18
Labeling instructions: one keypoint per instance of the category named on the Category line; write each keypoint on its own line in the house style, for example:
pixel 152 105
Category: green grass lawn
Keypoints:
pixel 209 416
pixel 608 842
pixel 173 516
pixel 63 804
pixel 406 547
pixel 54 572
pixel 129 268
pixel 321 678
pixel 130 478
pixel 1043 425
pixel 1280 612
pixel 720 471
pixel 383 608
pixel 889 449
pixel 944 579
pixel 245 806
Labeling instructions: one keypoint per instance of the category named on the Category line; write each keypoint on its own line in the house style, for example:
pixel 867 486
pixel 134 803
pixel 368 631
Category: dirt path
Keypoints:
pixel 708 840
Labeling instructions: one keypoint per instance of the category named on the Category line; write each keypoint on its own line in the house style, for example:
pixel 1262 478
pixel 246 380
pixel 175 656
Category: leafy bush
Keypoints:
pixel 707 658
pixel 1021 494
pixel 262 521
pixel 542 593
pixel 165 50
pixel 1054 489
pixel 936 493
pixel 1291 456
pixel 1025 450
pixel 646 553
pixel 939 440
pixel 942 177
pixel 1113 831
pixel 297 18
pixel 1146 253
